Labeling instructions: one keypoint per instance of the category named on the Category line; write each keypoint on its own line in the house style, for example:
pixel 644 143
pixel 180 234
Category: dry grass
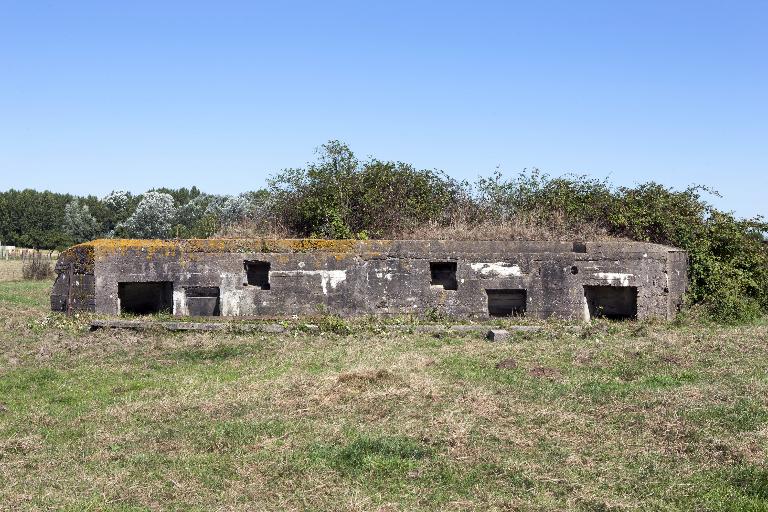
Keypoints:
pixel 10 270
pixel 532 227
pixel 510 231
pixel 522 228
pixel 612 417
pixel 270 230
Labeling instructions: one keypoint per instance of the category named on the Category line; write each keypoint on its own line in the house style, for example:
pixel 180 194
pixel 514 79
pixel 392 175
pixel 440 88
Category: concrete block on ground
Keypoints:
pixel 497 335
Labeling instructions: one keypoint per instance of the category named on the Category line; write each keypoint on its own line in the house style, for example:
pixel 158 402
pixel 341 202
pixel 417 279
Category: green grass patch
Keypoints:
pixel 365 454
pixel 741 415
pixel 741 488
pixel 26 293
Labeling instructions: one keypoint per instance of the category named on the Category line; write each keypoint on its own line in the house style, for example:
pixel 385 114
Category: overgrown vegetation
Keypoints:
pixel 37 268
pixel 341 196
pixel 630 416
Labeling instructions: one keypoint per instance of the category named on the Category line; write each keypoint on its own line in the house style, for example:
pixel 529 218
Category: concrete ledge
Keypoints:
pixel 143 325
pixel 149 325
pixel 461 328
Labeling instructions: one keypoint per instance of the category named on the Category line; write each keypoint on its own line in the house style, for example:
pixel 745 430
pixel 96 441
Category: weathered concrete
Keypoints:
pixel 285 278
pixel 142 325
pixel 274 328
pixel 497 335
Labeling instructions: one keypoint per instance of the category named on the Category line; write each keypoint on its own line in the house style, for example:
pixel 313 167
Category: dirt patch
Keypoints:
pixel 545 372
pixel 506 364
pixel 671 360
pixel 361 377
pixel 583 357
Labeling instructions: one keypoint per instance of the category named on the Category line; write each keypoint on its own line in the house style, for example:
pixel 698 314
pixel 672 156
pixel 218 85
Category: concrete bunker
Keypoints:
pixel 260 278
pixel 503 303
pixel 613 302
pixel 145 298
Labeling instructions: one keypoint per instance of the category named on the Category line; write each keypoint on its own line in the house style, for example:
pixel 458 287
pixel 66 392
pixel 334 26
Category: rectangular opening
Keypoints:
pixel 203 300
pixel 145 298
pixel 257 274
pixel 443 274
pixel 580 247
pixel 614 302
pixel 506 302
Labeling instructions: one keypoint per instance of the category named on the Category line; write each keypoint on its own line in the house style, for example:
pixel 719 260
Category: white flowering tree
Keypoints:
pixel 193 219
pixel 79 224
pixel 153 217
pixel 229 210
pixel 192 212
pixel 117 200
pixel 119 206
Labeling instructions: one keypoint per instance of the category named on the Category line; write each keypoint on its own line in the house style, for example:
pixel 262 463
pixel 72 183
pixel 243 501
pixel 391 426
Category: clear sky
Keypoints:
pixel 96 96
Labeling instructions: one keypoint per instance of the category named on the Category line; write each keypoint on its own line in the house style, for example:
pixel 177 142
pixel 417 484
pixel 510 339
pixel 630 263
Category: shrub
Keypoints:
pixel 340 197
pixel 37 268
pixel 728 258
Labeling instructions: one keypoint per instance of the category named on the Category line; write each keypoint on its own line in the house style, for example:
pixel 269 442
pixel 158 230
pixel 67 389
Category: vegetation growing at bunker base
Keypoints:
pixel 340 197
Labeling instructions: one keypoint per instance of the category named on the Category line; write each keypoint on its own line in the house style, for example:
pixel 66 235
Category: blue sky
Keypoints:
pixel 96 96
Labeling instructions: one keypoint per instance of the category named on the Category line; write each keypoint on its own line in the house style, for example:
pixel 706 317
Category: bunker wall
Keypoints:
pixel 349 278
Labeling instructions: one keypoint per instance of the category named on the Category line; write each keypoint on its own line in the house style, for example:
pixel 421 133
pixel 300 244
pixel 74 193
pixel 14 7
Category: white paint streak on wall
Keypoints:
pixel 383 273
pixel 585 306
pixel 180 303
pixel 229 303
pixel 499 268
pixel 327 277
pixel 615 278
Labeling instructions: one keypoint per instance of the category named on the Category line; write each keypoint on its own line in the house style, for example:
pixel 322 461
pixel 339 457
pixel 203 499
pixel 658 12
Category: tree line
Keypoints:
pixel 341 196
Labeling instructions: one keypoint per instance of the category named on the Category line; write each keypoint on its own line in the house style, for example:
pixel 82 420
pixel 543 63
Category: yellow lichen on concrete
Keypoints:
pixel 108 247
pixel 310 245
pixel 190 247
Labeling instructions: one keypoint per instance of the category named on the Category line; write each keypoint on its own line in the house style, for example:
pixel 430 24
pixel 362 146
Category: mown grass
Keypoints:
pixel 26 293
pixel 634 416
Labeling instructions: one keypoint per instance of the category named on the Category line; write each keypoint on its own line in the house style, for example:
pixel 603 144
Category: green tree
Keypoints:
pixel 29 218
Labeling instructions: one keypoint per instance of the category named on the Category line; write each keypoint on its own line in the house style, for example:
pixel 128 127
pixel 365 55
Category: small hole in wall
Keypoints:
pixel 257 274
pixel 443 273
pixel 580 247
pixel 574 270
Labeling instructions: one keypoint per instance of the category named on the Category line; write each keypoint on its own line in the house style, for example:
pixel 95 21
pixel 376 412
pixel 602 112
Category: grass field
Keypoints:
pixel 634 416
